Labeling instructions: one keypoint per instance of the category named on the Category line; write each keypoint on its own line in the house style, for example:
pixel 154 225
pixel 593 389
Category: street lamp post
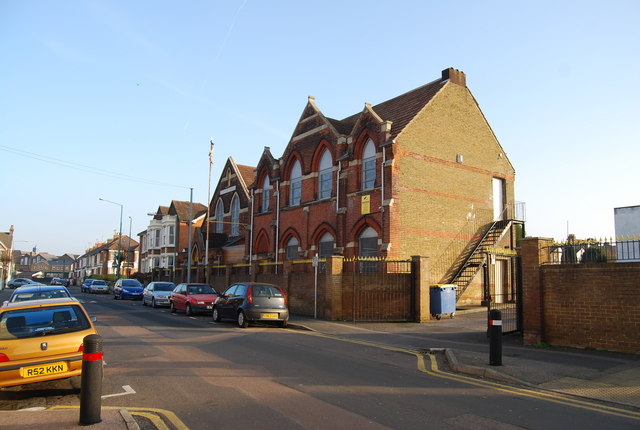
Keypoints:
pixel 119 259
pixel 130 264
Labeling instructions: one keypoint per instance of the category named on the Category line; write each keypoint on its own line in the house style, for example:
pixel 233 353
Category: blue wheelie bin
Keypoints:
pixel 443 300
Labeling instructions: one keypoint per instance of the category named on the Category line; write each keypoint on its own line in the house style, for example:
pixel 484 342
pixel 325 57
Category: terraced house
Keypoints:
pixel 421 174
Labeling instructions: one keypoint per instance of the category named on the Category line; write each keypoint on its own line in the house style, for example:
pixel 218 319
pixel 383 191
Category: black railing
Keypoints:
pixel 595 251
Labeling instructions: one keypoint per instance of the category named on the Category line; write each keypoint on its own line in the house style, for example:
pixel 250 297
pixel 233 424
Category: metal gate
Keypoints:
pixel 379 291
pixel 507 298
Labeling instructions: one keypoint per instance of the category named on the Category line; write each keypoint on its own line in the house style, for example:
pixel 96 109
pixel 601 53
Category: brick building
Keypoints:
pixel 420 174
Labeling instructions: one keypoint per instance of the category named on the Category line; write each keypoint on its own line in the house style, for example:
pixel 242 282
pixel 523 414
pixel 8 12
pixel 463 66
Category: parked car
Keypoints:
pixel 192 298
pixel 19 282
pixel 42 340
pixel 38 292
pixel 246 302
pixel 127 289
pixel 60 281
pixel 157 293
pixel 98 286
pixel 84 288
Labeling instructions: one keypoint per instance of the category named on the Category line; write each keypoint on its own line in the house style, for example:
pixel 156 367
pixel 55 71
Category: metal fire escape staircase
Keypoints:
pixel 476 255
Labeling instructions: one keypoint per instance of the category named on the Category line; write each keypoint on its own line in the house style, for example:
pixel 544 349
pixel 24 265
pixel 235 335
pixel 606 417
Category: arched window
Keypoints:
pixel 326 245
pixel 235 215
pixel 265 193
pixel 292 249
pixel 219 217
pixel 325 176
pixel 369 165
pixel 295 184
pixel 368 243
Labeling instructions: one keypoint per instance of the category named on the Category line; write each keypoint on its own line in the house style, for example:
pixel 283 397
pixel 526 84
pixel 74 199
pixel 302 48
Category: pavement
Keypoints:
pixel 462 346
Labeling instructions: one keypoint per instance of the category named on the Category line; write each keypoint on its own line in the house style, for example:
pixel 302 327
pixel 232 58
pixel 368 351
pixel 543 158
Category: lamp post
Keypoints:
pixel 130 264
pixel 119 236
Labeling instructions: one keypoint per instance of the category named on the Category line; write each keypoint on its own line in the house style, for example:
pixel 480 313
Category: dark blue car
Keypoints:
pixel 127 289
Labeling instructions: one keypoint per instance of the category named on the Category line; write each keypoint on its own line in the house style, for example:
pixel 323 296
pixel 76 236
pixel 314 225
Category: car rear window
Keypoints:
pixel 265 291
pixel 164 287
pixel 50 320
pixel 38 295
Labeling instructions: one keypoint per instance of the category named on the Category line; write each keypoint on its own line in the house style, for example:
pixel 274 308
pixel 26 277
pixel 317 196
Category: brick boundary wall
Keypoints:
pixel 579 305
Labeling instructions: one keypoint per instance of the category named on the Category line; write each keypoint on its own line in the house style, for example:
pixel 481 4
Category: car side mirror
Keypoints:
pixel 94 319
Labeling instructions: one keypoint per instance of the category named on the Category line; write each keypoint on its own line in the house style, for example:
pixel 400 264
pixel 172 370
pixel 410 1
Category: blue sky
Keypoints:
pixel 118 99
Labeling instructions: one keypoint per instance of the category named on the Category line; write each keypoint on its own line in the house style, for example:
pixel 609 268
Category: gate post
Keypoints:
pixel 420 269
pixel 535 252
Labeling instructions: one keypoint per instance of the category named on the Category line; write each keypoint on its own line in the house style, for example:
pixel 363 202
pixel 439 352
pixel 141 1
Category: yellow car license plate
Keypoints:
pixel 46 369
pixel 270 316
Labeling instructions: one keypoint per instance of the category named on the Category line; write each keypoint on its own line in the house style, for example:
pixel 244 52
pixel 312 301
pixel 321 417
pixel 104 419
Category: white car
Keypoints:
pixel 99 286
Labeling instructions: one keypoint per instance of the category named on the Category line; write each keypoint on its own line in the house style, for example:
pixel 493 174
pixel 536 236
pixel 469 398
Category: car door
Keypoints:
pixel 147 293
pixel 238 298
pixel 223 303
pixel 181 298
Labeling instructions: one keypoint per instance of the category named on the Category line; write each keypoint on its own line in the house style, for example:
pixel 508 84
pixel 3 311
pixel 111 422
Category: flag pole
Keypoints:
pixel 206 253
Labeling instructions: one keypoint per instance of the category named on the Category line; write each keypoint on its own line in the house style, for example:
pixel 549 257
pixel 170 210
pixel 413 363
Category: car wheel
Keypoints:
pixel 242 320
pixel 189 311
pixel 216 315
pixel 153 302
pixel 172 308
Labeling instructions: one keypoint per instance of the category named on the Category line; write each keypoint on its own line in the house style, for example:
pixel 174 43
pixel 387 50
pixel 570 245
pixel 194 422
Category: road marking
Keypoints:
pixel 154 418
pixel 540 394
pixel 127 390
pixel 169 416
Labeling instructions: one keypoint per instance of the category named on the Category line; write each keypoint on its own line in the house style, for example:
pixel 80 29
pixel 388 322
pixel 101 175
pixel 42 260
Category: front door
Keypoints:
pixel 498 199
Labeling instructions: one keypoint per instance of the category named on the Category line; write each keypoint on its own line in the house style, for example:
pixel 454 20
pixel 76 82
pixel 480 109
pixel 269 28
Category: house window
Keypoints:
pixel 295 188
pixel 292 249
pixel 325 176
pixel 235 215
pixel 219 216
pixel 369 165
pixel 172 235
pixel 368 243
pixel 170 261
pixel 326 245
pixel 157 238
pixel 265 194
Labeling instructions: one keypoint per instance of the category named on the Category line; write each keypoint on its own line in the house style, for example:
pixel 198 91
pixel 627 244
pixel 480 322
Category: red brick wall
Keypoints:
pixel 580 305
pixel 592 306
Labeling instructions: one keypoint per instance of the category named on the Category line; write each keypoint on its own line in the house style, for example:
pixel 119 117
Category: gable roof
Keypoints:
pixel 181 210
pixel 246 172
pixel 402 109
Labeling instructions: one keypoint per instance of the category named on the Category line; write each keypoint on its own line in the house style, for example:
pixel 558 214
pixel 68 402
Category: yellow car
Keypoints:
pixel 41 340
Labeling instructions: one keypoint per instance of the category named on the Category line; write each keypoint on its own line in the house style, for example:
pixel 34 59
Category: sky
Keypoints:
pixel 118 99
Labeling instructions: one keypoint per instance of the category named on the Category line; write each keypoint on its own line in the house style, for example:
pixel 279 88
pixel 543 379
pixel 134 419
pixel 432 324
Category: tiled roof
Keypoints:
pixel 182 210
pixel 247 174
pixel 402 109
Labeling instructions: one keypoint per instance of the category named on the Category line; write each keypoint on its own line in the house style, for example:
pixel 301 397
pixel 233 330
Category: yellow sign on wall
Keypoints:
pixel 365 205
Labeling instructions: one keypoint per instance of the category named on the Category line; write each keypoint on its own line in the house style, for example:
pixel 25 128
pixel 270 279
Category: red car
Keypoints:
pixel 193 298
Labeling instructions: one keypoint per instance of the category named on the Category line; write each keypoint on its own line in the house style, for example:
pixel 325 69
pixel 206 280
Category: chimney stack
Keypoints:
pixel 455 76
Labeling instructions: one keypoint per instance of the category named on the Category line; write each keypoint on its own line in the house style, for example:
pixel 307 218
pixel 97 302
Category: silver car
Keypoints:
pixel 99 286
pixel 157 293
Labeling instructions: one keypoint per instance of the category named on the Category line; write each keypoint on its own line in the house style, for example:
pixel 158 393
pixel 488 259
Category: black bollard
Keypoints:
pixel 91 382
pixel 495 337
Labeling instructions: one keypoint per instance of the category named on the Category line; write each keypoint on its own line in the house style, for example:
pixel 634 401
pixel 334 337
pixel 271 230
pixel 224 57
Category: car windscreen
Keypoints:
pixel 131 283
pixel 50 320
pixel 200 289
pixel 164 287
pixel 98 283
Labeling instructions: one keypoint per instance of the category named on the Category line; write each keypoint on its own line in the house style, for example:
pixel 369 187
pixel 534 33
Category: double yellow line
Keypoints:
pixel 550 396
